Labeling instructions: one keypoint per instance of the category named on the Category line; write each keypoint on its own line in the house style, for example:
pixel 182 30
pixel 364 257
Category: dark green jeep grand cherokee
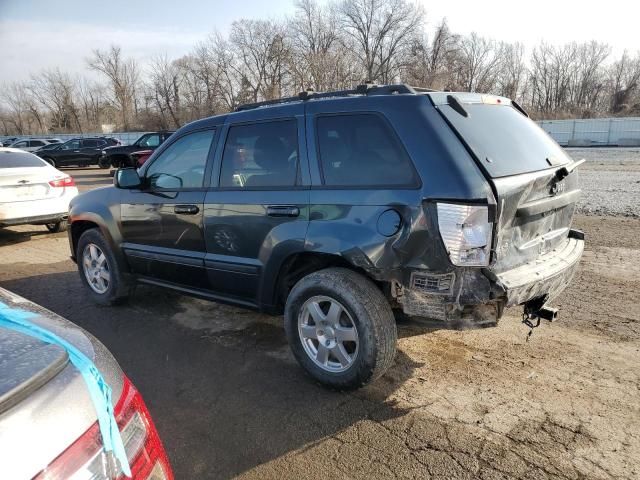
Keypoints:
pixel 337 208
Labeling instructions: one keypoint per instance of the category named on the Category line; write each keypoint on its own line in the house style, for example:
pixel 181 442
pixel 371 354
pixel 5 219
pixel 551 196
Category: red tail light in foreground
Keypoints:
pixel 85 458
pixel 63 182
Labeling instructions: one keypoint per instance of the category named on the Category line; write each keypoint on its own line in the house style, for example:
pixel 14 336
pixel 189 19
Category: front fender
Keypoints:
pixel 102 208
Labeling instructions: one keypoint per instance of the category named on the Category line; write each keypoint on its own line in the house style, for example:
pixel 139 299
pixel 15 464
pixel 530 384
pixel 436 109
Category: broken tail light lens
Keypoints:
pixel 86 458
pixel 466 233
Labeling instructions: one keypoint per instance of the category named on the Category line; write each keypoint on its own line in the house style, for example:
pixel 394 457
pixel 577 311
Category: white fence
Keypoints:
pixel 624 132
pixel 578 133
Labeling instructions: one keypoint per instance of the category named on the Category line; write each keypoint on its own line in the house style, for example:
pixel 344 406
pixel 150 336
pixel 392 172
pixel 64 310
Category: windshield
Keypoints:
pixel 19 160
pixel 505 141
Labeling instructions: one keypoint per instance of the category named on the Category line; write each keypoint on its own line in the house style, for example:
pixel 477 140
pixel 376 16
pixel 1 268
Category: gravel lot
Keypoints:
pixel 610 180
pixel 230 401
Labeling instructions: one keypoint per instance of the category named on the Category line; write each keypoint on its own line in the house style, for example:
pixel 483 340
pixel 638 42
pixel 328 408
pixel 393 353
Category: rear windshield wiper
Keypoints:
pixel 565 170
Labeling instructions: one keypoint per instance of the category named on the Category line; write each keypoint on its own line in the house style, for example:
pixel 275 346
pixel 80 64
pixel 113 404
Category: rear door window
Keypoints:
pixel 361 150
pixel 505 141
pixel 261 155
pixel 89 144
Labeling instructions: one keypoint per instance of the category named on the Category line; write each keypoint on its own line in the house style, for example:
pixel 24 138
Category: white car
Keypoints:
pixel 32 192
pixel 33 144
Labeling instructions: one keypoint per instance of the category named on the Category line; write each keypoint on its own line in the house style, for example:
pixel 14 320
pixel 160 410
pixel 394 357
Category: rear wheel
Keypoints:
pixel 60 226
pixel 99 269
pixel 340 328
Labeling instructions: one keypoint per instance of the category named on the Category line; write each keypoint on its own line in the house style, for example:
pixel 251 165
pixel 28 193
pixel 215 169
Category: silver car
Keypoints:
pixel 48 423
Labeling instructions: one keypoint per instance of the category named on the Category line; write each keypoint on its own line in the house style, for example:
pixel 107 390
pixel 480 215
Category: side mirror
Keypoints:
pixel 127 178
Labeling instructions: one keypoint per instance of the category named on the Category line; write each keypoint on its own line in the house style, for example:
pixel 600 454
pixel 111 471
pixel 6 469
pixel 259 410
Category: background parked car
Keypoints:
pixel 8 141
pixel 140 157
pixel 47 417
pixel 33 192
pixel 78 151
pixel 33 144
pixel 119 157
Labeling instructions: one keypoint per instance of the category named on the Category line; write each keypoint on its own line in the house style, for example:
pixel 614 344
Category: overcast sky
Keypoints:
pixel 37 34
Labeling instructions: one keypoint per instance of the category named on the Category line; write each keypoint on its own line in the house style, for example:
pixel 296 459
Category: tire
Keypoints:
pixel 60 226
pixel 104 162
pixel 50 161
pixel 114 291
pixel 366 316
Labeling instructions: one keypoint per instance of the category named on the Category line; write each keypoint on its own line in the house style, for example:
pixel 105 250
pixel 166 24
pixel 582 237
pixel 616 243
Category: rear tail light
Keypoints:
pixel 466 233
pixel 86 459
pixel 63 182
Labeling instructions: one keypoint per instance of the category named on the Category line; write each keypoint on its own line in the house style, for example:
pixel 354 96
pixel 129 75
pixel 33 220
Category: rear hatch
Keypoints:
pixel 533 179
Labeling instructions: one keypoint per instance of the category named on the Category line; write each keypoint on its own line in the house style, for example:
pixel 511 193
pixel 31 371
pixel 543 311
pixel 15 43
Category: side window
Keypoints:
pixel 22 144
pixel 361 150
pixel 89 143
pixel 152 140
pixel 36 143
pixel 261 155
pixel 183 163
pixel 72 145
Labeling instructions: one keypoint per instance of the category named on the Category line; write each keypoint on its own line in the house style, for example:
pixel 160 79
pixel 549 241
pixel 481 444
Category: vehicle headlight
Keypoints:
pixel 103 152
pixel 466 233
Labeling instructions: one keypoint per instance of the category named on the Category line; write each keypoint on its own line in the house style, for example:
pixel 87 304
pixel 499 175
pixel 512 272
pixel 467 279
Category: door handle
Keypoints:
pixel 283 211
pixel 186 209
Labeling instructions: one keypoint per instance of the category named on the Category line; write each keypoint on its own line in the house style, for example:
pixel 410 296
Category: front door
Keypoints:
pixel 162 221
pixel 259 213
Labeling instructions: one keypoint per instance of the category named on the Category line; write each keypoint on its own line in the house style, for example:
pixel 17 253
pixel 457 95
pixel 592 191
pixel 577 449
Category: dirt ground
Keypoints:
pixel 230 401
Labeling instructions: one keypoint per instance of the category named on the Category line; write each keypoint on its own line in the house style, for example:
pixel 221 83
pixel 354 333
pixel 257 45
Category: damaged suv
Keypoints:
pixel 337 208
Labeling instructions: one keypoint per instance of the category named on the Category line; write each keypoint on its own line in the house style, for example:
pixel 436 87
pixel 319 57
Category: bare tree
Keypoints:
pixel 511 78
pixel 55 91
pixel 624 83
pixel 165 80
pixel 123 76
pixel 260 51
pixel 91 98
pixel 382 33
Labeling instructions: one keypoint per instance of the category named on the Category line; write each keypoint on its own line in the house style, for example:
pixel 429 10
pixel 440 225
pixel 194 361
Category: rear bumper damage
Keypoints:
pixel 548 275
pixel 477 297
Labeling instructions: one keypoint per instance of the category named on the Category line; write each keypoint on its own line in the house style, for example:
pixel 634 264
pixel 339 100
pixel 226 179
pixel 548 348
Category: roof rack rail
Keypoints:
pixel 363 89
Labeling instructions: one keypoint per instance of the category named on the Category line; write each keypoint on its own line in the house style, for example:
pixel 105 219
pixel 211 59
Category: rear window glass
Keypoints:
pixel 507 142
pixel 361 150
pixel 19 160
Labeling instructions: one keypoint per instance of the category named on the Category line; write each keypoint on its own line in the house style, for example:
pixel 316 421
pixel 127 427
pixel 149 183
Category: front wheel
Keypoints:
pixel 104 162
pixel 99 269
pixel 340 328
pixel 50 161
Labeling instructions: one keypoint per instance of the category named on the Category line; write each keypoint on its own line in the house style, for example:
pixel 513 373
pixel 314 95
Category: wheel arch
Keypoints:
pixel 300 264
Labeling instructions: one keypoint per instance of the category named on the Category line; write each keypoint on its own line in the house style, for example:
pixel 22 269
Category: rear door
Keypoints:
pixel 536 197
pixel 162 222
pixel 258 214
pixel 90 149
